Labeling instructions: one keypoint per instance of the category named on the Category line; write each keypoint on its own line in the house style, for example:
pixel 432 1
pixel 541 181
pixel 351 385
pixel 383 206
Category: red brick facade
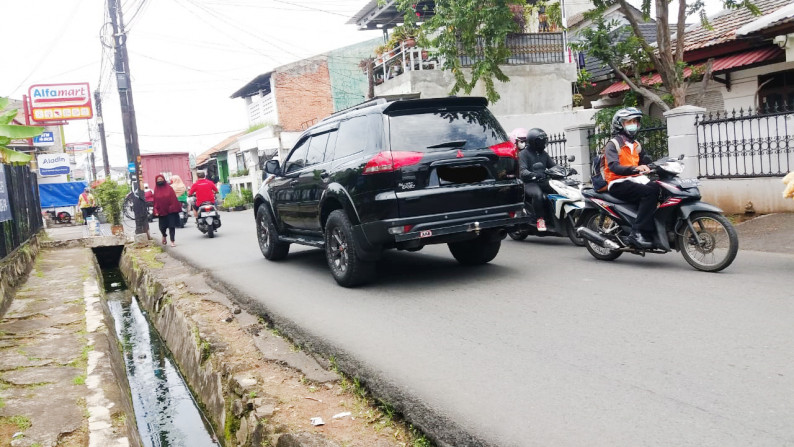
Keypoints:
pixel 303 94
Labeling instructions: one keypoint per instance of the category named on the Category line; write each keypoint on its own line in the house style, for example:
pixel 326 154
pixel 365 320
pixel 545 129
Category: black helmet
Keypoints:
pixel 536 140
pixel 624 115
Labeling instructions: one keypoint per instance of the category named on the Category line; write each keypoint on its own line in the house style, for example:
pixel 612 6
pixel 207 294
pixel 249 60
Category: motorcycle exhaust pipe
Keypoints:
pixel 596 238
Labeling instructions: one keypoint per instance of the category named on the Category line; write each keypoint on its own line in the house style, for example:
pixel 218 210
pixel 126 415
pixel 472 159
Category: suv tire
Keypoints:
pixel 477 251
pixel 266 234
pixel 340 251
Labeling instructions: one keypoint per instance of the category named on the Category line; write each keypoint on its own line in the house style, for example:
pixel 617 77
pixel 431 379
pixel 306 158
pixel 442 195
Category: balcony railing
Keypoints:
pixel 525 49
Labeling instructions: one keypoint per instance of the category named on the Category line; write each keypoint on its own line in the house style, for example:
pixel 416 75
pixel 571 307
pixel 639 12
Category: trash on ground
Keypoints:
pixel 313 398
pixel 317 421
pixel 341 415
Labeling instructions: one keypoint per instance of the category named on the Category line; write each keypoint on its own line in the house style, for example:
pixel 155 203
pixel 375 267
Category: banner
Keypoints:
pixel 60 194
pixel 5 205
pixel 77 148
pixel 53 164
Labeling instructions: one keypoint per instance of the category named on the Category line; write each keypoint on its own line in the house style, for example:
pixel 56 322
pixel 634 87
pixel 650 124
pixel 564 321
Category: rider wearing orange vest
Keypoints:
pixel 624 167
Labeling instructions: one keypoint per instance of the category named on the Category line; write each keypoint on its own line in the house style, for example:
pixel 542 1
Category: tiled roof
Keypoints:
pixel 724 25
pixel 204 156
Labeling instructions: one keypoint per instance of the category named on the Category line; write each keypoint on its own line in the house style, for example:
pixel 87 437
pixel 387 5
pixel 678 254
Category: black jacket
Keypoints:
pixel 527 158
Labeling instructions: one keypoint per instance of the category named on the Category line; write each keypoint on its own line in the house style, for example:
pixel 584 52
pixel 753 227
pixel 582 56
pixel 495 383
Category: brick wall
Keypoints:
pixel 303 94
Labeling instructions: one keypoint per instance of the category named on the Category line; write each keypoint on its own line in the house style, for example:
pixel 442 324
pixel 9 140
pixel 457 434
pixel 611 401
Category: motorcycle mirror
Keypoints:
pixel 681 157
pixel 571 158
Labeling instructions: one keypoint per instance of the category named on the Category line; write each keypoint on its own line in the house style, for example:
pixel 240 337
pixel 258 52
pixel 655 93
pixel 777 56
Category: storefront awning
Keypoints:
pixel 725 63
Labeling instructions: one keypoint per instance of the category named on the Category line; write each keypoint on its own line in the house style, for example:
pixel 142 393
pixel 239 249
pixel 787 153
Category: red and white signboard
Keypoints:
pixel 58 102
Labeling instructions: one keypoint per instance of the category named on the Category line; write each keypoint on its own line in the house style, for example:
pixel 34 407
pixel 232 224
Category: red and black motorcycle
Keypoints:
pixel 706 239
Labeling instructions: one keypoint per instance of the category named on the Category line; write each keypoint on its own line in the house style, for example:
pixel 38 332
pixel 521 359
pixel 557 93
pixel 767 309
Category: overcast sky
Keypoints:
pixel 186 58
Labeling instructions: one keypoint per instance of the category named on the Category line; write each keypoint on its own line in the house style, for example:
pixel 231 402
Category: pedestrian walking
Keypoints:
pixel 87 204
pixel 166 208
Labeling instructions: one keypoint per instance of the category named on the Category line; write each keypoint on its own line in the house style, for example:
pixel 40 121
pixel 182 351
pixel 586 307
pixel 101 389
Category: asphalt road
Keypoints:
pixel 544 346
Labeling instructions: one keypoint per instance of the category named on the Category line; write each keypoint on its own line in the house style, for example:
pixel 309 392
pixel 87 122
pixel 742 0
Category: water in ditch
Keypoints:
pixel 165 411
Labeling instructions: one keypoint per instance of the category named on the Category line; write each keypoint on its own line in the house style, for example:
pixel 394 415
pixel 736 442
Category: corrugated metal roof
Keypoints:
pixel 229 141
pixel 725 63
pixel 724 25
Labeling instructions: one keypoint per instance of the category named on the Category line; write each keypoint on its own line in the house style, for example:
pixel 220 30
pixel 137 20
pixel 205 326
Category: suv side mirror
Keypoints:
pixel 272 167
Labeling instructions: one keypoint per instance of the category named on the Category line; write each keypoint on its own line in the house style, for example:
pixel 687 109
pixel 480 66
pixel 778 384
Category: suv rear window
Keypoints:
pixel 416 131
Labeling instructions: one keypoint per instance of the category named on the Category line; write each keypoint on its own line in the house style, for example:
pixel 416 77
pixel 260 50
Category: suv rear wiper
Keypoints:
pixel 453 143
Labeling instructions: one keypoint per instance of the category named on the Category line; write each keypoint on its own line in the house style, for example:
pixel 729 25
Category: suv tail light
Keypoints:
pixel 391 161
pixel 506 149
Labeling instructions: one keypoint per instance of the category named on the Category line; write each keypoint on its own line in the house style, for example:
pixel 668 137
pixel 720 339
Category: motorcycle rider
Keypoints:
pixel 532 144
pixel 204 190
pixel 624 167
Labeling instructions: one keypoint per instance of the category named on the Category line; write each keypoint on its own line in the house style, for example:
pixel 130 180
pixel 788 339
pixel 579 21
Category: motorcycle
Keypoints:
pixel 208 220
pixel 563 207
pixel 183 215
pixel 706 239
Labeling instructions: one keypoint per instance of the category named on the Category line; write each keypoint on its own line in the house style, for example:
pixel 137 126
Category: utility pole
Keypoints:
pixel 124 85
pixel 100 122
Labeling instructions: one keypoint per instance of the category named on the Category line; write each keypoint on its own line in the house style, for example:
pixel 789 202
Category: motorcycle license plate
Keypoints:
pixel 211 213
pixel 689 182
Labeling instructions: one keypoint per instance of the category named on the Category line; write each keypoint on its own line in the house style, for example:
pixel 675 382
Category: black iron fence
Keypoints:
pixel 555 146
pixel 525 49
pixel 746 144
pixel 19 201
pixel 652 139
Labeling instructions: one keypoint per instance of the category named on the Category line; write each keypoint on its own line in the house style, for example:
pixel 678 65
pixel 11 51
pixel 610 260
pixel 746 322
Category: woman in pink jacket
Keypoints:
pixel 166 207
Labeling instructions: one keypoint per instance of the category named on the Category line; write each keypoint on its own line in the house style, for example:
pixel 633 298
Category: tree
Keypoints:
pixel 10 132
pixel 466 27
pixel 667 57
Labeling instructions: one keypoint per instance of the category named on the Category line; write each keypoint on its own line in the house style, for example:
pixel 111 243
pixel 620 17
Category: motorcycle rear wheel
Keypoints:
pixel 211 232
pixel 715 246
pixel 601 253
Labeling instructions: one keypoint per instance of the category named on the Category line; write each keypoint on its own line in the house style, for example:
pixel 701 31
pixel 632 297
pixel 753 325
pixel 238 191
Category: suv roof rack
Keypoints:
pixel 365 104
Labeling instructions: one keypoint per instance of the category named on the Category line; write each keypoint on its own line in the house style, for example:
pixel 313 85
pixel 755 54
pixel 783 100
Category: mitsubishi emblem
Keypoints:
pixel 460 154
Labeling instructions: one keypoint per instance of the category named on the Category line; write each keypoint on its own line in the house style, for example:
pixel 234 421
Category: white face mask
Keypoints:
pixel 522 144
pixel 631 129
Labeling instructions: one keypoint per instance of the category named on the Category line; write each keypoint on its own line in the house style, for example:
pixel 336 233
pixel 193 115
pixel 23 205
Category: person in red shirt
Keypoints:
pixel 204 190
pixel 166 207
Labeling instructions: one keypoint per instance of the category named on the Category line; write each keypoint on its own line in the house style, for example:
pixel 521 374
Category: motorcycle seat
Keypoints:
pixel 604 196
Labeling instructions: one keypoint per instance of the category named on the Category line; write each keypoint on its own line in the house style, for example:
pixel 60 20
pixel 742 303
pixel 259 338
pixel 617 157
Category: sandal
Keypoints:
pixel 165 241
pixel 173 244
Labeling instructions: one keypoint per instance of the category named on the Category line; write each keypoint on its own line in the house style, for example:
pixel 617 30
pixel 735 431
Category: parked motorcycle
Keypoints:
pixel 208 219
pixel 563 208
pixel 705 238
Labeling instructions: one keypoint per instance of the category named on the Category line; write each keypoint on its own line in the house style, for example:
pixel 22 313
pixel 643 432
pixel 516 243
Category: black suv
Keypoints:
pixel 401 174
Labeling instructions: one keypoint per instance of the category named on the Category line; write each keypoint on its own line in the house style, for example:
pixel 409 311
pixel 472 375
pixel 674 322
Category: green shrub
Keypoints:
pixel 248 195
pixel 233 199
pixel 111 198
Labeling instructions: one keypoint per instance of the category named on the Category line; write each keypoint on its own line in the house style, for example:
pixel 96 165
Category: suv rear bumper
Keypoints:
pixel 433 228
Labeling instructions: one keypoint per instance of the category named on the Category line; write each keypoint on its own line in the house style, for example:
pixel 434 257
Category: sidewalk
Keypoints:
pixel 771 233
pixel 56 383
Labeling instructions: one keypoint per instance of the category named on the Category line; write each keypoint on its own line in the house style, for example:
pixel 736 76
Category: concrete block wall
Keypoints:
pixel 303 94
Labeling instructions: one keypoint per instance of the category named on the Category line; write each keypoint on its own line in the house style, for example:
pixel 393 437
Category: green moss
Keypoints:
pixel 79 380
pixel 232 425
pixel 22 422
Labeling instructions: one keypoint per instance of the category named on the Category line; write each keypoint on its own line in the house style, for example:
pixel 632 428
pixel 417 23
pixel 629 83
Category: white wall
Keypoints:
pixel 744 84
pixel 732 195
pixel 549 122
pixel 531 89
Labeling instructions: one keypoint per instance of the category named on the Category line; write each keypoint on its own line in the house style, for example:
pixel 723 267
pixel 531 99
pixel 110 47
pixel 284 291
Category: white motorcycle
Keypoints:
pixel 208 220
pixel 564 207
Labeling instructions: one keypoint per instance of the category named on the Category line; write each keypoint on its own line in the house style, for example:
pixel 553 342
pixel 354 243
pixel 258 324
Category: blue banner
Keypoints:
pixel 5 205
pixel 60 194
pixel 57 170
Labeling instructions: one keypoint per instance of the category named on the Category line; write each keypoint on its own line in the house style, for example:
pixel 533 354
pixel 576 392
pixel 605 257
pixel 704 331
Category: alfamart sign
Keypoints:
pixel 58 102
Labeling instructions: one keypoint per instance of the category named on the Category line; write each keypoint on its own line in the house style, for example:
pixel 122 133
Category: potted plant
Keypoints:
pixel 577 99
pixel 111 198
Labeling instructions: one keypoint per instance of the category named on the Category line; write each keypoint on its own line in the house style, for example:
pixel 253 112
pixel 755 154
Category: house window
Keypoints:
pixel 240 161
pixel 777 90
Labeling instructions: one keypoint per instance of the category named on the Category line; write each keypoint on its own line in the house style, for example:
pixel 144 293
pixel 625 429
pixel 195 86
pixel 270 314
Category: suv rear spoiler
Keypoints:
pixel 452 101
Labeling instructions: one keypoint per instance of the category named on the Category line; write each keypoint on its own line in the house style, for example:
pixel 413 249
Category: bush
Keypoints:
pixel 248 195
pixel 233 199
pixel 110 196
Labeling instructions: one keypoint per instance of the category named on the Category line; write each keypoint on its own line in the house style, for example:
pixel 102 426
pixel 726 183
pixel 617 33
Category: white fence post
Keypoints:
pixel 682 137
pixel 578 145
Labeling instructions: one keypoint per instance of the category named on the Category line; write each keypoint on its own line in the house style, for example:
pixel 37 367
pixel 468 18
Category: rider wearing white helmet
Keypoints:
pixel 624 167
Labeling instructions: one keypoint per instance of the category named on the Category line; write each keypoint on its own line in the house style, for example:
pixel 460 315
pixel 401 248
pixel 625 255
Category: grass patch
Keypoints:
pixel 148 256
pixel 79 380
pixel 21 422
